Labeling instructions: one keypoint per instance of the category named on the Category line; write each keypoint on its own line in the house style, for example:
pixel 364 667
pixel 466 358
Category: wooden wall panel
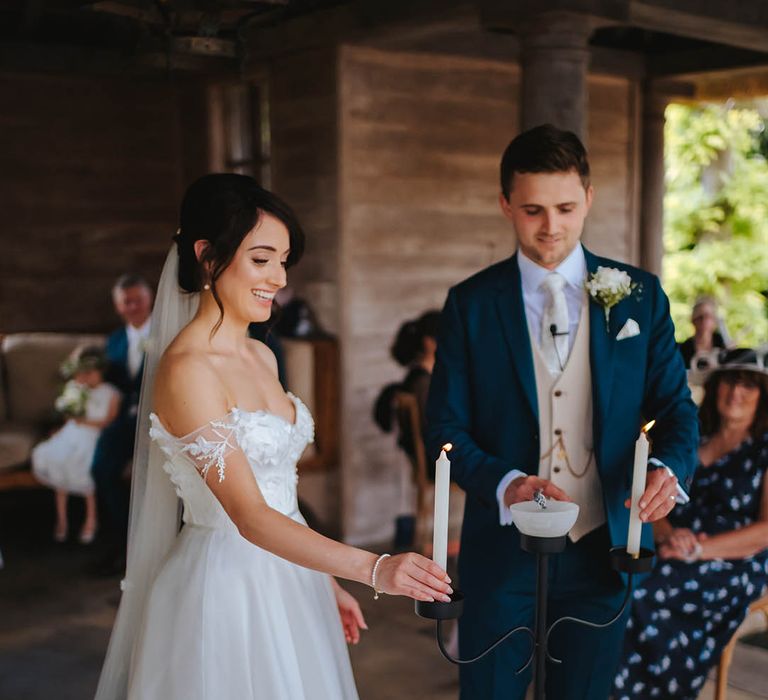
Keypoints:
pixel 91 174
pixel 612 227
pixel 304 169
pixel 303 120
pixel 421 137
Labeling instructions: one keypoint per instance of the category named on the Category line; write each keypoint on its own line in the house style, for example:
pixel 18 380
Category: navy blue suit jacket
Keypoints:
pixel 117 372
pixel 483 400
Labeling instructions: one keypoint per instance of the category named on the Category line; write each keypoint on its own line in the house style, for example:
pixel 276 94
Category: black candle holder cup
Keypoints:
pixel 626 563
pixel 438 610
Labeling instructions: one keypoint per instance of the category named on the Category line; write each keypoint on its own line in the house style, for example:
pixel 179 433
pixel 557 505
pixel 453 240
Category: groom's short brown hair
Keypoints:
pixel 543 149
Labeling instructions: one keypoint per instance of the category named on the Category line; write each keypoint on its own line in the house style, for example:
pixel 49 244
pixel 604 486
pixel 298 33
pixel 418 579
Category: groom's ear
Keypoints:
pixel 590 195
pixel 506 208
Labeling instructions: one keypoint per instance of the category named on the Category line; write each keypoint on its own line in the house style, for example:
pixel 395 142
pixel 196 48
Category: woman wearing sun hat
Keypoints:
pixel 712 551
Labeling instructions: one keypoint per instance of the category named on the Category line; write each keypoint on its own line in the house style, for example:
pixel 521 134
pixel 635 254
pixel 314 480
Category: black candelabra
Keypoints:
pixel 542 547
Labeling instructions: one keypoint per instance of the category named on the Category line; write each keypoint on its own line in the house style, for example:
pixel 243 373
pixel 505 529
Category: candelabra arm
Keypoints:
pixel 587 623
pixel 502 638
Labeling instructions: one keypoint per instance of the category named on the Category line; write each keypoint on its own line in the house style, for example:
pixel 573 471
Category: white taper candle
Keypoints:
pixel 442 493
pixel 639 474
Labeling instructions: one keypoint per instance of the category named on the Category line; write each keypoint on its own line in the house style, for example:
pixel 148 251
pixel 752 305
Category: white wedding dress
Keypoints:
pixel 225 619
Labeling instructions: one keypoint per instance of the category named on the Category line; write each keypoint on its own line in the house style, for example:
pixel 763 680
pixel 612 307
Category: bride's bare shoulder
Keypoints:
pixel 186 378
pixel 178 362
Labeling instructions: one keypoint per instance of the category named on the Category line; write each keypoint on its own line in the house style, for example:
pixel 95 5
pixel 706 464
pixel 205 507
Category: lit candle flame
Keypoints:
pixel 648 426
pixel 447 447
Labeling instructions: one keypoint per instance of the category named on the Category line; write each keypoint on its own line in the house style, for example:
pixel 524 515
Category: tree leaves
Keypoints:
pixel 716 216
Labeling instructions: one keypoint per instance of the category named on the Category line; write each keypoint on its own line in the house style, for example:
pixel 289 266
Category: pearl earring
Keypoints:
pixel 207 287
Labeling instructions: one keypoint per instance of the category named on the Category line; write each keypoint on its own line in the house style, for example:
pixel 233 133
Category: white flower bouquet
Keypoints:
pixel 72 400
pixel 608 286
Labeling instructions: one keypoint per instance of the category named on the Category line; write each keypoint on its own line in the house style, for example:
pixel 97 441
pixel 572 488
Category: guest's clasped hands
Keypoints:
pixel 682 543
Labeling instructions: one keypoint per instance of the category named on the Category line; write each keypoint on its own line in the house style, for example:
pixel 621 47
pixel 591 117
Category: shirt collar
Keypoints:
pixel 573 268
pixel 141 332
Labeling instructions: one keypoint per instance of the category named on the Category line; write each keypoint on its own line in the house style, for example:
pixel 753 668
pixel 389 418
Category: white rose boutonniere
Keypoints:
pixel 608 286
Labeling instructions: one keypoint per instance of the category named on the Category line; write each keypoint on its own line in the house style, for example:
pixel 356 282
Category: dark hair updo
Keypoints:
pixel 409 341
pixel 222 208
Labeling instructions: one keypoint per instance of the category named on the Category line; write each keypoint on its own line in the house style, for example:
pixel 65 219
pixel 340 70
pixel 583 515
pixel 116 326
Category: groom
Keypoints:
pixel 536 390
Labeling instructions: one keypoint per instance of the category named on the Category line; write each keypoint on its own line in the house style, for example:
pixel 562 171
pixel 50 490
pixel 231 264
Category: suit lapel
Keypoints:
pixel 514 325
pixel 122 347
pixel 602 344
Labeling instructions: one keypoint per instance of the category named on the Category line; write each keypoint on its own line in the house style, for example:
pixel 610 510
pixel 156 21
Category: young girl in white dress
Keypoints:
pixel 63 461
pixel 240 605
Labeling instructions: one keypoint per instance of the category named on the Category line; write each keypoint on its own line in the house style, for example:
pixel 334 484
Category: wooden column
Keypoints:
pixel 652 179
pixel 555 62
pixel 656 96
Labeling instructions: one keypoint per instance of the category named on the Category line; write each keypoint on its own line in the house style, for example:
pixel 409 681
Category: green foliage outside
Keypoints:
pixel 716 216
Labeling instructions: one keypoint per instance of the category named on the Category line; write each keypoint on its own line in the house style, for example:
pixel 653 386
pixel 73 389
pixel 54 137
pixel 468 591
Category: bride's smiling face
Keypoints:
pixel 249 283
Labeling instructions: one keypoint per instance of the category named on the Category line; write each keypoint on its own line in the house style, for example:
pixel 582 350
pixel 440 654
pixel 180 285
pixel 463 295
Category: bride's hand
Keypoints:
pixel 413 575
pixel 352 619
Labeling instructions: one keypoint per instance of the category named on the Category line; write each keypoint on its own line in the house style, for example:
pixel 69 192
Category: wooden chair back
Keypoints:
pixel 760 606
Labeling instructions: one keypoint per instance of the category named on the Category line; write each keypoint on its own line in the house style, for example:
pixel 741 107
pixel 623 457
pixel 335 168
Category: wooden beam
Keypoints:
pixel 704 60
pixel 629 64
pixel 394 22
pixel 47 58
pixel 743 24
pixel 746 83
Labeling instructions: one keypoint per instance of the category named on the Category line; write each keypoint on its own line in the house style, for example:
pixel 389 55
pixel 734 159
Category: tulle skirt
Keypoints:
pixel 226 620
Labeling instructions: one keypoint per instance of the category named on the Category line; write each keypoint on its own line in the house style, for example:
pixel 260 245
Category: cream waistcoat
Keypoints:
pixel 565 427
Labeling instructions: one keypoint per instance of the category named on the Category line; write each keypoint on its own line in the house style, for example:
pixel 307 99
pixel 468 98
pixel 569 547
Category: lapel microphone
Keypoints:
pixel 553 331
pixel 555 334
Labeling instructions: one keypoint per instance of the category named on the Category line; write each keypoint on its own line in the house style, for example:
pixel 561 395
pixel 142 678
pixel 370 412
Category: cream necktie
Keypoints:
pixel 554 324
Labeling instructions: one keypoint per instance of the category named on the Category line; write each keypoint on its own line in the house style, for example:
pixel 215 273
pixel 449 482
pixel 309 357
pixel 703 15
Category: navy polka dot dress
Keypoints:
pixel 684 614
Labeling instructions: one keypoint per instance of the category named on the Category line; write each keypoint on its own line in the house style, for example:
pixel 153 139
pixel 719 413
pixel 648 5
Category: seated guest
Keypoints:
pixel 414 348
pixel 706 337
pixel 63 461
pixel 132 298
pixel 712 558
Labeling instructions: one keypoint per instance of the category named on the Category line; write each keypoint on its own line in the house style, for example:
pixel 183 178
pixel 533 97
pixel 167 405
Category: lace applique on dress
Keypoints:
pixel 204 448
pixel 210 447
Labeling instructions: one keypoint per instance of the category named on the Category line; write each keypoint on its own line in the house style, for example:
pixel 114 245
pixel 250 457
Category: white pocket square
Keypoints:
pixel 629 330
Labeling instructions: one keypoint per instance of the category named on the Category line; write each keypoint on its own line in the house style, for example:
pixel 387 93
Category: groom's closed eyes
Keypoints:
pixel 535 209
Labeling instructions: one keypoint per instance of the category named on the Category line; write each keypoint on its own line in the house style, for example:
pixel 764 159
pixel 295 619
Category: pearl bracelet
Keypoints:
pixel 373 575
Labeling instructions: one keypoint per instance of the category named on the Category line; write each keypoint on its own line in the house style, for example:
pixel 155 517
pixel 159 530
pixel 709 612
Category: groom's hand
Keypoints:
pixel 523 488
pixel 659 497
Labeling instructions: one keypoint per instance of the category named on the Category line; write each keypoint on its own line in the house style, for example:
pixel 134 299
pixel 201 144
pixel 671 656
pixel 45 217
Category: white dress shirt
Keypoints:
pixel 535 297
pixel 136 340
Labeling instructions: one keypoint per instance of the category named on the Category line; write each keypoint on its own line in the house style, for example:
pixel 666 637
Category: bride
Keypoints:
pixel 239 604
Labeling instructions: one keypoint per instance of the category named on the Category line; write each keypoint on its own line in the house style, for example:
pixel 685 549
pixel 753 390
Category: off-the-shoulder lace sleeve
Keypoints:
pixel 205 448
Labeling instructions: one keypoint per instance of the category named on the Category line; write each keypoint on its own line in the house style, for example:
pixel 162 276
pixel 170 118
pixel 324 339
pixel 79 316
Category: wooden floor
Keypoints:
pixel 55 622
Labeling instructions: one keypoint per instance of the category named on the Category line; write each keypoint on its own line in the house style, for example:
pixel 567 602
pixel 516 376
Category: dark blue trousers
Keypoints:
pixel 581 584
pixel 113 450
